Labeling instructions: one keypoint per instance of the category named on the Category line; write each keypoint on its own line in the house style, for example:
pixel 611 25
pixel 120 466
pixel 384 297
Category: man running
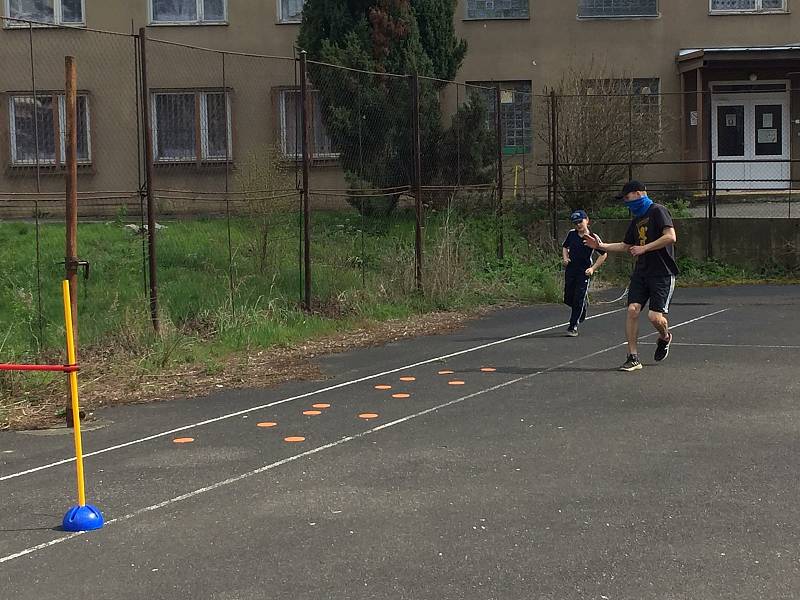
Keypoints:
pixel 650 238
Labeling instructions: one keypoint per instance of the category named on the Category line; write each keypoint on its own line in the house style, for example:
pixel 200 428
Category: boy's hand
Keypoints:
pixel 589 272
pixel 565 261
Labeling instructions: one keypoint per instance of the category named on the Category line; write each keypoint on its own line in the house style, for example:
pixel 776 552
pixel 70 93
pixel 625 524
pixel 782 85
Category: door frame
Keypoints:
pixel 749 100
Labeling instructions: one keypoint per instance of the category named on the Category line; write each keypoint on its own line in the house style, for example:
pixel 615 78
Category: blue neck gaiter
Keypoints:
pixel 640 207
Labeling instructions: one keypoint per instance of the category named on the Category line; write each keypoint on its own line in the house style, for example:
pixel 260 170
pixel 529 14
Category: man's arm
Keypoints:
pixel 613 247
pixel 668 237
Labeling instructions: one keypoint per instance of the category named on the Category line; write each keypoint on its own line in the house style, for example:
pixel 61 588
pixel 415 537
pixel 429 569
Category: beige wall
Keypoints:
pixel 537 49
pixel 106 71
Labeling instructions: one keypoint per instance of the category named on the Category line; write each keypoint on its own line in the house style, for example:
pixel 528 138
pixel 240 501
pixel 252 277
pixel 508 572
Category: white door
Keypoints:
pixel 751 127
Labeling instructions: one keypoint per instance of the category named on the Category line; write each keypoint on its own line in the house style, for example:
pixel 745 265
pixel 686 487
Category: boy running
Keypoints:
pixel 579 268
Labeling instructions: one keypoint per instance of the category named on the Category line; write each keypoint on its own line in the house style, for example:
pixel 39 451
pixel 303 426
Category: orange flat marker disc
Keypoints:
pixel 455 382
pixel 383 387
pixel 408 378
pixel 294 438
pixel 488 369
pixel 267 424
pixel 446 372
pixel 401 396
pixel 183 440
pixel 320 405
pixel 368 416
pixel 312 413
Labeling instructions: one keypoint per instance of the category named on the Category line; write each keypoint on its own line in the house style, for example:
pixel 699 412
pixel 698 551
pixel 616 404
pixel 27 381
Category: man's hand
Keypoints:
pixel 589 271
pixel 637 250
pixel 592 242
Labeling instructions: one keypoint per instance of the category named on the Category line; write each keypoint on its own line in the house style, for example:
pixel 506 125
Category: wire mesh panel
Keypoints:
pixel 225 181
pixel 32 187
pixel 360 146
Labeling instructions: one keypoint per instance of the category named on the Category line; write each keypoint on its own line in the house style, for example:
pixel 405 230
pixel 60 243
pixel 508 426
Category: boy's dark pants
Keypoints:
pixel 576 287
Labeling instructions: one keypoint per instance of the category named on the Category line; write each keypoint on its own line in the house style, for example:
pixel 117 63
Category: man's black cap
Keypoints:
pixel 631 186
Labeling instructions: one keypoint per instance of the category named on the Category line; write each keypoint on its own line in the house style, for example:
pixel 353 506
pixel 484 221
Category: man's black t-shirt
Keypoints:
pixel 646 229
pixel 580 255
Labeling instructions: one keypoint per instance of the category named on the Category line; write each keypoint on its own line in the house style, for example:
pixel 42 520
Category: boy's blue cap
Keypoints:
pixel 578 216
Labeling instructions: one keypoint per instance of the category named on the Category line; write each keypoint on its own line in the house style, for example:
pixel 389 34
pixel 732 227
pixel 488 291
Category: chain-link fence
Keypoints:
pixel 34 151
pixel 213 184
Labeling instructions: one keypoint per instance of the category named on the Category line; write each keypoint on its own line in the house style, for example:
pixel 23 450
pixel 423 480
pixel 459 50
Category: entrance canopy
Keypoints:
pixel 738 108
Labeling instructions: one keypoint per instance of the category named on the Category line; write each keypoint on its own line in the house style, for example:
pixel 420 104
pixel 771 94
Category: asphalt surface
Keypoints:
pixel 551 477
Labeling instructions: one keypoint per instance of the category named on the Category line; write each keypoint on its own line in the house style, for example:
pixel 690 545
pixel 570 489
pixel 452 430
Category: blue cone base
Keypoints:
pixel 82 518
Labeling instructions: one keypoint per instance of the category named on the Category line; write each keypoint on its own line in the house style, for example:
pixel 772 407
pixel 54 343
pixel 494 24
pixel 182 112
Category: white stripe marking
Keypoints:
pixel 292 398
pixel 671 291
pixel 339 442
pixel 756 346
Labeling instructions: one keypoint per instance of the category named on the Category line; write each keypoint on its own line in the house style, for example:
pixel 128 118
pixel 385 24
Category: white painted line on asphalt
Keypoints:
pixel 753 346
pixel 339 442
pixel 293 398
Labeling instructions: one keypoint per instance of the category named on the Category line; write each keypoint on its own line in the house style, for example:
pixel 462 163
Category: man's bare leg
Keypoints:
pixel 659 321
pixel 632 327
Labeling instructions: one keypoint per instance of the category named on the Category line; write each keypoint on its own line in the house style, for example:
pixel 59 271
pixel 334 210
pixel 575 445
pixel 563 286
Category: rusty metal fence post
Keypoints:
pixel 417 171
pixel 304 132
pixel 148 170
pixel 554 161
pixel 501 250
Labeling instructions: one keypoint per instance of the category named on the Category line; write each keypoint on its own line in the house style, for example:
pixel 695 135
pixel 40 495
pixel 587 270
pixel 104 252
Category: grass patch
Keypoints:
pixel 221 294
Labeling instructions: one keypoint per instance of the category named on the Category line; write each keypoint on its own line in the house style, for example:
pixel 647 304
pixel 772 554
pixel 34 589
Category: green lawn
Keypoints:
pixel 222 289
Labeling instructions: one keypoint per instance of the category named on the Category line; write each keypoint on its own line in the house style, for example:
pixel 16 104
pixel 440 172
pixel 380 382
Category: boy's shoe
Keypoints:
pixel 662 348
pixel 632 364
pixel 572 332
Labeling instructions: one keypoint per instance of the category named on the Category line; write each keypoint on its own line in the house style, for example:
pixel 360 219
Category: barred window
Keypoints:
pixel 497 9
pixel 748 5
pixel 57 12
pixel 188 12
pixel 320 141
pixel 191 124
pixel 38 127
pixel 515 113
pixel 291 11
pixel 617 8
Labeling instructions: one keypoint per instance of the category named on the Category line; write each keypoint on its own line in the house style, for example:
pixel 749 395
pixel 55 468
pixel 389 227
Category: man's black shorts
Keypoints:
pixel 657 290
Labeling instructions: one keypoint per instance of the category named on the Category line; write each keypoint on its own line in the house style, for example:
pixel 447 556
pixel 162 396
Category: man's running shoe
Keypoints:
pixel 632 364
pixel 662 348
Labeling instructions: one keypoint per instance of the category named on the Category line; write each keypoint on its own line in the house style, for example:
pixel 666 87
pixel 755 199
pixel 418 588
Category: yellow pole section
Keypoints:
pixel 73 388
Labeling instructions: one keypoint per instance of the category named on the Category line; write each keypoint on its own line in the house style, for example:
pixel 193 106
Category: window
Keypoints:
pixel 617 8
pixel 191 126
pixel 319 140
pixel 750 6
pixel 57 12
pixel 515 113
pixel 188 12
pixel 497 9
pixel 290 11
pixel 46 115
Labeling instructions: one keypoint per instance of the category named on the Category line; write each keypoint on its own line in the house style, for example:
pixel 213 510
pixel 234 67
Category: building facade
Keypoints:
pixel 209 111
